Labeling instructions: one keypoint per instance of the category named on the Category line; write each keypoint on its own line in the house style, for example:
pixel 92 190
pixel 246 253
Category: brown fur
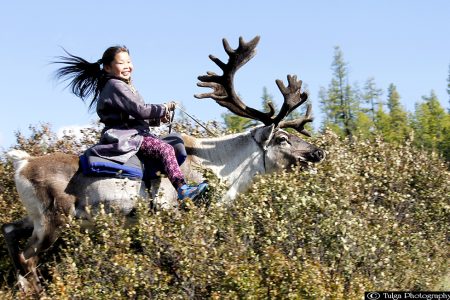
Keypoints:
pixel 49 175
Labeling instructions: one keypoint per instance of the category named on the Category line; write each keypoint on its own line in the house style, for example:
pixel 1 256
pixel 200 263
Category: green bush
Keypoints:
pixel 372 216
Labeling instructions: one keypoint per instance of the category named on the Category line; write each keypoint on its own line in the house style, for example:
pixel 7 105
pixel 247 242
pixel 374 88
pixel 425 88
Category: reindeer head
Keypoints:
pixel 283 149
pixel 280 147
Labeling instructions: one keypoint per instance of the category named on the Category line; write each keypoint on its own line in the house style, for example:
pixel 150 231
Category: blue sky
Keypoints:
pixel 402 42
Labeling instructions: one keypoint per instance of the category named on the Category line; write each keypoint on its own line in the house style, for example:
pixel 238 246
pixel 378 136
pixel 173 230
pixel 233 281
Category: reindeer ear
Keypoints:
pixel 263 135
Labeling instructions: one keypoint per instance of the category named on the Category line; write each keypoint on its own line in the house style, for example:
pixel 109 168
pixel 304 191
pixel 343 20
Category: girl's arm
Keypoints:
pixel 132 104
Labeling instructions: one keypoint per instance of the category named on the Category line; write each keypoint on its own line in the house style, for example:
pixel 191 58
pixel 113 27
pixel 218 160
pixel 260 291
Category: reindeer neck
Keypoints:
pixel 228 157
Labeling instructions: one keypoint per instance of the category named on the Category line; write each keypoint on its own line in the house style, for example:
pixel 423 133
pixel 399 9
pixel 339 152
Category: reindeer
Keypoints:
pixel 52 188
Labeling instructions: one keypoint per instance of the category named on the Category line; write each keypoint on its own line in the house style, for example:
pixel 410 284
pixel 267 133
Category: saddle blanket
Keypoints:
pixel 92 165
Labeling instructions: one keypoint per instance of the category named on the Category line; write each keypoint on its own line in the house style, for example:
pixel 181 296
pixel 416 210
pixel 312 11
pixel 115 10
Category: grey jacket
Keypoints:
pixel 126 118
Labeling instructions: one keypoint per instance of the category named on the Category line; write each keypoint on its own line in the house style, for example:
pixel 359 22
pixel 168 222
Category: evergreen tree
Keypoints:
pixel 364 125
pixel 432 125
pixel 371 97
pixel 398 127
pixel 383 121
pixel 339 102
pixel 327 108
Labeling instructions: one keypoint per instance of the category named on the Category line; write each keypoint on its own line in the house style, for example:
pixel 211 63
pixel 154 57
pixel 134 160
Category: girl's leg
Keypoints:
pixel 154 148
pixel 174 139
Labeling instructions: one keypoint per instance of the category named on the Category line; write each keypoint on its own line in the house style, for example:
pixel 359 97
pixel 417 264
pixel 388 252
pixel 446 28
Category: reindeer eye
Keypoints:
pixel 282 139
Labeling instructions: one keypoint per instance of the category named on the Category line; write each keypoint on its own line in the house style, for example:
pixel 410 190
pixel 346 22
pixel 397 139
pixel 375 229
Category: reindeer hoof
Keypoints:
pixel 24 285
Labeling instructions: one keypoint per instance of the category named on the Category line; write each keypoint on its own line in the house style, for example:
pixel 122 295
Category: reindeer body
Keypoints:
pixel 234 159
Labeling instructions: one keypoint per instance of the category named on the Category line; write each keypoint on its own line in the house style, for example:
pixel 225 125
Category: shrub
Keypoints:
pixel 373 216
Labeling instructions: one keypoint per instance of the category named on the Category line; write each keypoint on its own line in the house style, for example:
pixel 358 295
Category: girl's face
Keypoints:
pixel 121 66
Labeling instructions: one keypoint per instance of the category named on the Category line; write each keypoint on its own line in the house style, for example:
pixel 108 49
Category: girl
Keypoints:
pixel 124 113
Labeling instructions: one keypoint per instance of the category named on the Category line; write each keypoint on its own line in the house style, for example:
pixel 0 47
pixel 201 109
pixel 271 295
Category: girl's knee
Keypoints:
pixel 167 149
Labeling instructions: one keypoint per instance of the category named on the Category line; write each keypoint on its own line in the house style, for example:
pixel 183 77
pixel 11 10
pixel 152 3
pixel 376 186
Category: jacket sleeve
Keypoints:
pixel 132 104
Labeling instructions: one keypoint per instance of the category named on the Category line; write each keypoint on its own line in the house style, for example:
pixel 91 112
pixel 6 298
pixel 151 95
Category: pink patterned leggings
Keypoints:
pixel 152 148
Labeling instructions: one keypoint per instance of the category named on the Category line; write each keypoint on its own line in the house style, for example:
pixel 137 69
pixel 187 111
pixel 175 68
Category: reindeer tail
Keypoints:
pixel 18 157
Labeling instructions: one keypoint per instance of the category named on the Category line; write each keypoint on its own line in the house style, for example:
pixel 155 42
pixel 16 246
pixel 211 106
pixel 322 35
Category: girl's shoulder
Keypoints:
pixel 116 84
pixel 118 87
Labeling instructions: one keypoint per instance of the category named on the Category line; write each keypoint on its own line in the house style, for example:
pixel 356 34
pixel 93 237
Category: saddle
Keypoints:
pixel 136 168
pixel 92 165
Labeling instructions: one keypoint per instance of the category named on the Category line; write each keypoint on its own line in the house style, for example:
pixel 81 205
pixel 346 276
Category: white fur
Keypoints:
pixel 24 186
pixel 235 159
pixel 27 192
pixel 19 158
pixel 120 193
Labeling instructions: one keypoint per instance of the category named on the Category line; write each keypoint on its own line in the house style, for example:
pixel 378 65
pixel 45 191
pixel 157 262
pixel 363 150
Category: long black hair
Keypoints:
pixel 86 79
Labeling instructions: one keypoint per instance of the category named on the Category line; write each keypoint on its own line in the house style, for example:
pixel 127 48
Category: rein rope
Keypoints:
pixel 194 119
pixel 172 116
pixel 264 149
pixel 264 153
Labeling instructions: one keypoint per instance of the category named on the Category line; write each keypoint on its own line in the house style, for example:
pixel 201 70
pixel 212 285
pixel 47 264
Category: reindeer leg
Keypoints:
pixel 28 280
pixel 29 283
pixel 45 232
pixel 57 205
pixel 43 236
pixel 13 233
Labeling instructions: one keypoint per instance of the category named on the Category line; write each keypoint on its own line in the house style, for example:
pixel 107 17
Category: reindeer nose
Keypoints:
pixel 319 154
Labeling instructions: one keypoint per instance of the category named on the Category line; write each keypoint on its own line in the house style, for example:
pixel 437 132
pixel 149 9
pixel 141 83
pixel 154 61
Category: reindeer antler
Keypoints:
pixel 293 97
pixel 299 124
pixel 225 95
pixel 223 86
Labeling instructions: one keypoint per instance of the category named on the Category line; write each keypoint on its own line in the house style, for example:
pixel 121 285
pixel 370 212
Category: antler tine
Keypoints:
pixel 223 85
pixel 299 124
pixel 293 97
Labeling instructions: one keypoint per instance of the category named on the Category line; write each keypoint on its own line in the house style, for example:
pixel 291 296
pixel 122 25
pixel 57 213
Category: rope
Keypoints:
pixel 172 116
pixel 194 119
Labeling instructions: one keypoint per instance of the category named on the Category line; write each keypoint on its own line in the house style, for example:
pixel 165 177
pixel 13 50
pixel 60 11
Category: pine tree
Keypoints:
pixel 371 97
pixel 383 122
pixel 399 128
pixel 432 125
pixel 364 126
pixel 339 102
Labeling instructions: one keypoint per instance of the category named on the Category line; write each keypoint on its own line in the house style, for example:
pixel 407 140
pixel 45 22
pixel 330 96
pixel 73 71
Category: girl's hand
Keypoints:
pixel 166 118
pixel 170 106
